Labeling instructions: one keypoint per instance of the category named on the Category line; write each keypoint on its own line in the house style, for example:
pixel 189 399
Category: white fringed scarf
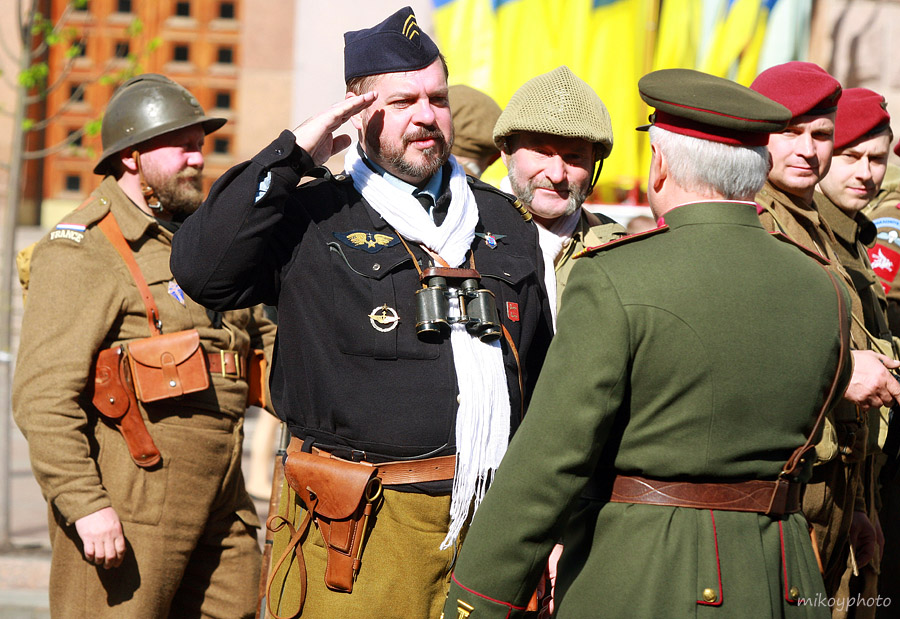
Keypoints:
pixel 482 419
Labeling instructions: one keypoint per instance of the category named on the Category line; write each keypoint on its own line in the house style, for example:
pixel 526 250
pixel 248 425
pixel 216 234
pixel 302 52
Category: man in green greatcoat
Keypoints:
pixel 654 454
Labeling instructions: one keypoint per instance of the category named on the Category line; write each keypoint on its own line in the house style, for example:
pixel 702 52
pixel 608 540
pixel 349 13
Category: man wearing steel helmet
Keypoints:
pixel 834 500
pixel 375 373
pixel 551 135
pixel 148 512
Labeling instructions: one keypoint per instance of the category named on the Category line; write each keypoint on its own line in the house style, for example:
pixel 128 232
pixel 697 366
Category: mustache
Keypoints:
pixel 545 184
pixel 424 134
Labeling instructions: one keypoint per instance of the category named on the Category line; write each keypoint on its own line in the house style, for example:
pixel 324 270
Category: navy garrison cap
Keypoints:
pixel 396 44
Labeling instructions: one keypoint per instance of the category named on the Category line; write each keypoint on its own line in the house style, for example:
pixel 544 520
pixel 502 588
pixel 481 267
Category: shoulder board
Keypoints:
pixel 475 183
pixel 622 240
pixel 73 225
pixel 812 254
pixel 324 173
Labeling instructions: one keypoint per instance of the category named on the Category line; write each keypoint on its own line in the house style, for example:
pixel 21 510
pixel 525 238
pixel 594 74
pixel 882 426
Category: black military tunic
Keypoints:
pixel 344 374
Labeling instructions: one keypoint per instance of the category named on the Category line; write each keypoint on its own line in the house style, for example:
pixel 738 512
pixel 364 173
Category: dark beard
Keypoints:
pixel 434 157
pixel 180 195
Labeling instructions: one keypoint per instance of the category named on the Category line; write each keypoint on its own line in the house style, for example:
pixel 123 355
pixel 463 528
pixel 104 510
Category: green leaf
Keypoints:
pixel 27 124
pixel 92 127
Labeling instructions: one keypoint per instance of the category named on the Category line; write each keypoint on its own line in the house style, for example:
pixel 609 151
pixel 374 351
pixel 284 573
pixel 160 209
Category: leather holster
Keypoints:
pixel 114 397
pixel 339 494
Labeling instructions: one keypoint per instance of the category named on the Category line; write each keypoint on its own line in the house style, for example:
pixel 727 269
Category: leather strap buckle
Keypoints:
pixel 224 367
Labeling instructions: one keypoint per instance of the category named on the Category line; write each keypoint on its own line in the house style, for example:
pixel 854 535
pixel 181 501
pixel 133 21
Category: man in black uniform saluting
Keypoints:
pixel 412 323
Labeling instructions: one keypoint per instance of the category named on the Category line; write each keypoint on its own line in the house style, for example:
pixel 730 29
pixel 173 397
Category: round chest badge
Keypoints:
pixel 384 318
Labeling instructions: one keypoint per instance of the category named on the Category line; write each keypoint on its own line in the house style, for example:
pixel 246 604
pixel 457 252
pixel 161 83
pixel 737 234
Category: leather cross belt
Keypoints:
pixel 773 498
pixel 227 363
pixel 399 472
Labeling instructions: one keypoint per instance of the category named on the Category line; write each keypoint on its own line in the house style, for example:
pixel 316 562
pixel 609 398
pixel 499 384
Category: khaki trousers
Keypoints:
pixel 189 553
pixel 403 573
pixel 828 503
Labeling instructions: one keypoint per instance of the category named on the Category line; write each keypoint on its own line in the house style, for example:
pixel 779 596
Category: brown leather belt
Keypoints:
pixel 764 497
pixel 400 472
pixel 227 363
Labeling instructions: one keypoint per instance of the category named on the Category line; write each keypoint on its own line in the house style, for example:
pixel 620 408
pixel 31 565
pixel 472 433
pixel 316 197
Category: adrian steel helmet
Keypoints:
pixel 144 107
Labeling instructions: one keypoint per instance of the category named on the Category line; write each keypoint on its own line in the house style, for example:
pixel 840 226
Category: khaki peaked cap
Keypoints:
pixel 557 103
pixel 711 108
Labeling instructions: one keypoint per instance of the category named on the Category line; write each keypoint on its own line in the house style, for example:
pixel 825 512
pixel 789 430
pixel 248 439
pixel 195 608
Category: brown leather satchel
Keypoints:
pixel 338 496
pixel 168 366
pixel 114 398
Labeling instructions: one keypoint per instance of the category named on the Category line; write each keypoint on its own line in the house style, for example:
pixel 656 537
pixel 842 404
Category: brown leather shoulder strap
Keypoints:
pixel 110 228
pixel 843 358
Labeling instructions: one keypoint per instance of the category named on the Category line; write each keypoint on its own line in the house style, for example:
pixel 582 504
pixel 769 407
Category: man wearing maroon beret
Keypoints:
pixel 862 141
pixel 834 500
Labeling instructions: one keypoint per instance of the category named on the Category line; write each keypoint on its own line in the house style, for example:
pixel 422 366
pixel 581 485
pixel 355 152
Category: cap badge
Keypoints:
pixel 411 28
pixel 384 318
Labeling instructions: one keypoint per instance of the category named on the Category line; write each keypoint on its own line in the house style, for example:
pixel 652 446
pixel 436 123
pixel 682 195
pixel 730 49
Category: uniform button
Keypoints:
pixel 794 594
pixel 104 201
pixel 279 151
pixel 340 177
pixel 376 267
pixel 709 595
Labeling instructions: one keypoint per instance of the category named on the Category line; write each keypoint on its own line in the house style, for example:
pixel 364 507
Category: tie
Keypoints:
pixel 438 211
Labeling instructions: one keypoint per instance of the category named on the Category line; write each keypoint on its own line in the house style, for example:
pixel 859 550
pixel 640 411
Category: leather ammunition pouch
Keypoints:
pixel 339 496
pixel 256 379
pixel 114 397
pixel 167 366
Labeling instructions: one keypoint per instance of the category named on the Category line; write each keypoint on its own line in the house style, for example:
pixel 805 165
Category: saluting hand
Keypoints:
pixel 102 537
pixel 315 134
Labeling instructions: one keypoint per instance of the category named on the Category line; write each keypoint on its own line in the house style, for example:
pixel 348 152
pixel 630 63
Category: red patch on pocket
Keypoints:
pixel 512 311
pixel 885 262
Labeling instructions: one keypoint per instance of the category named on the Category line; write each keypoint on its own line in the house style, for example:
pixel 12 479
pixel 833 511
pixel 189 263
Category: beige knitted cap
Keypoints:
pixel 558 103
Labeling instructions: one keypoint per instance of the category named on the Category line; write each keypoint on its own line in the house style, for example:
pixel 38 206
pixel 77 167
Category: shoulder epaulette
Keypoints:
pixel 88 212
pixel 475 183
pixel 324 173
pixel 622 240
pixel 809 252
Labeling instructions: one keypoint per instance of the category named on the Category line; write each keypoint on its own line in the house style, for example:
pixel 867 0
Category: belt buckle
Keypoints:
pixel 237 364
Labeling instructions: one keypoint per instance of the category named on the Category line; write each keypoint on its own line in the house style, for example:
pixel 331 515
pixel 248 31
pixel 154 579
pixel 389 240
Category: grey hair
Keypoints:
pixel 703 166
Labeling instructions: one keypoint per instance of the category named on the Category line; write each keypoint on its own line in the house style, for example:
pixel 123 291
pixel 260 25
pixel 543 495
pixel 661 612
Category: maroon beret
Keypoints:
pixel 802 87
pixel 860 113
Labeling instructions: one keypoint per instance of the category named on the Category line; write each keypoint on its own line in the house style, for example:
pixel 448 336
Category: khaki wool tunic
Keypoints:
pixel 836 489
pixel 591 231
pixel 178 517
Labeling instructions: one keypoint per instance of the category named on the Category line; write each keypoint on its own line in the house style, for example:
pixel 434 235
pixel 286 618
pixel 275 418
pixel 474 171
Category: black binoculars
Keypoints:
pixel 477 307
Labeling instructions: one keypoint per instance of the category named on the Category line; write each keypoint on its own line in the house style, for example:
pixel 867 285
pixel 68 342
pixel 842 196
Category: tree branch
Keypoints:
pixel 40 154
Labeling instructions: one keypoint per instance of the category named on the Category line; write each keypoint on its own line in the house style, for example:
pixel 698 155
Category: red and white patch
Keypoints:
pixel 512 311
pixel 885 262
